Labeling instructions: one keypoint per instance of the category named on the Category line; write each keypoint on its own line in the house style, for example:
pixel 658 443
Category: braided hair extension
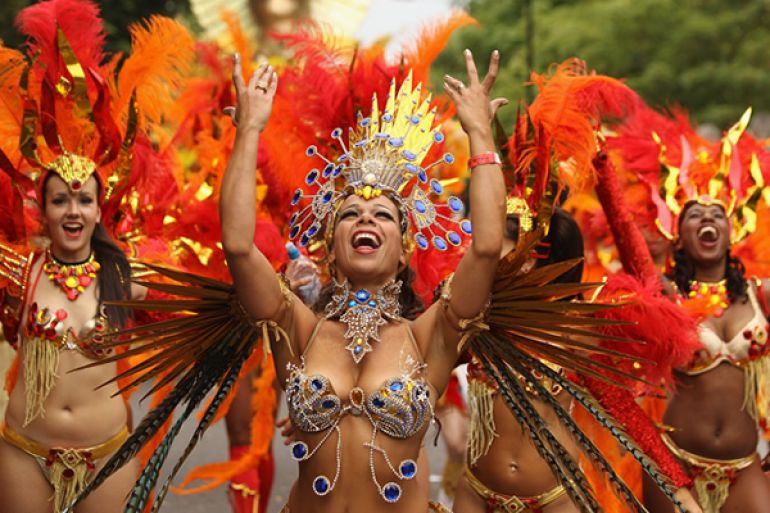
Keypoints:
pixel 601 416
pixel 586 444
pixel 557 457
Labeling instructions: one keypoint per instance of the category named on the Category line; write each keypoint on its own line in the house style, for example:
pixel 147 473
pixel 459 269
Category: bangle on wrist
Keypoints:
pixel 488 157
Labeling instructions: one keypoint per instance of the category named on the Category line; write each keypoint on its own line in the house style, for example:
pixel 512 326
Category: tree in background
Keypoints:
pixel 709 56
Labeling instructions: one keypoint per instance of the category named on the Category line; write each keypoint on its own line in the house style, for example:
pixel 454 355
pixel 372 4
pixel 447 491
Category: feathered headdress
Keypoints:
pixel 68 112
pixel 681 168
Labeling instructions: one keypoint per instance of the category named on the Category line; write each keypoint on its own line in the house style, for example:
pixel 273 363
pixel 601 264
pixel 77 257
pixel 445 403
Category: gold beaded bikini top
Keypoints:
pixel 42 324
pixel 400 408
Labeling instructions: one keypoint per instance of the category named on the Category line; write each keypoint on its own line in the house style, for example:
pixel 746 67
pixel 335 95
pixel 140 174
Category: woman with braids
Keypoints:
pixel 56 283
pixel 705 194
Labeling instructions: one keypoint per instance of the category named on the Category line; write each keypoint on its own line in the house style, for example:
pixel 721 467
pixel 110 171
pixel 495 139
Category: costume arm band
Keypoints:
pixel 620 404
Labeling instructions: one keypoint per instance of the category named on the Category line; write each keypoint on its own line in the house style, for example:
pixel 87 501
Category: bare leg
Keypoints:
pixel 111 496
pixel 750 493
pixel 23 487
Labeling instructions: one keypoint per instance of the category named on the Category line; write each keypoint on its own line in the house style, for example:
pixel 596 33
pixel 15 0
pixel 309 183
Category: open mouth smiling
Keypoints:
pixel 708 234
pixel 365 241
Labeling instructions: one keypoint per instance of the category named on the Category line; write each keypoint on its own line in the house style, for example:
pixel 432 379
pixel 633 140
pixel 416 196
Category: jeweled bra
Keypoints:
pixel 399 408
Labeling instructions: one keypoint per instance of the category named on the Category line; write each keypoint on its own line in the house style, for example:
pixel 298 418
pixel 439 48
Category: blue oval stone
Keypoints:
pixel 316 384
pixel 415 120
pixel 411 167
pixel 397 386
pixel 351 303
pixel 436 186
pixel 328 170
pixel 439 243
pixel 455 204
pixel 327 197
pixel 379 403
pixel 294 231
pixel 387 117
pixel 396 142
pixel 304 240
pixel 419 205
pixel 293 218
pixel 408 155
pixel 312 230
pixel 381 135
pixel 373 304
pixel 438 137
pixel 336 132
pixel 328 404
pixel 298 451
pixel 358 349
pixel 342 157
pixel 466 227
pixel 365 122
pixel 453 238
pixel 321 485
pixel 449 158
pixel 423 176
pixel 337 171
pixel 391 492
pixel 311 177
pixel 422 241
pixel 297 196
pixel 408 469
pixel 310 151
pixel 362 295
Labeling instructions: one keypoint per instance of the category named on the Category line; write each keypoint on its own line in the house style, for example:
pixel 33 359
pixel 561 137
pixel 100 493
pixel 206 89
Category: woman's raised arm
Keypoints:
pixel 253 276
pixel 472 281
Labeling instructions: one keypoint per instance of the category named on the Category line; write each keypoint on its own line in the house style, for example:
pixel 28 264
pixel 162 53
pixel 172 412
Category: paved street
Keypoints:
pixel 213 447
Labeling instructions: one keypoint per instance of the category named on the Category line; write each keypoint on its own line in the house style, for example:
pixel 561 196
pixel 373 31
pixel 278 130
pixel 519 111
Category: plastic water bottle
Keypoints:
pixel 302 274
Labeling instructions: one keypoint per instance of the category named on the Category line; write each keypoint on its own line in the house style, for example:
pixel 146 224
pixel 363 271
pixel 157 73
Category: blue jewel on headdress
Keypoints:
pixel 383 154
pixel 453 238
pixel 294 231
pixel 297 196
pixel 465 226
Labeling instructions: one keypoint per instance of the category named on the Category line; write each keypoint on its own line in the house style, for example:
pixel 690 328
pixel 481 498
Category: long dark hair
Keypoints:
pixel 115 273
pixel 683 272
pixel 563 242
pixel 411 304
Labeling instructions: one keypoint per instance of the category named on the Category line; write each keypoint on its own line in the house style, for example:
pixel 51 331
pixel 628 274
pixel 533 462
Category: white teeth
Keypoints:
pixel 707 233
pixel 359 239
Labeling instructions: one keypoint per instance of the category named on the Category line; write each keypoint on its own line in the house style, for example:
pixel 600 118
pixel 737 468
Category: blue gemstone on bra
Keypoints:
pixel 297 196
pixel 312 230
pixel 328 170
pixel 439 243
pixel 379 403
pixel 321 485
pixel 391 492
pixel 362 295
pixel 311 177
pixel 396 142
pixel 422 241
pixel 358 349
pixel 327 197
pixel 328 404
pixel 408 469
pixel 299 451
pixel 397 386
pixel 337 171
pixel 436 186
pixel 294 231
pixel 316 384
pixel 422 176
pixel 373 303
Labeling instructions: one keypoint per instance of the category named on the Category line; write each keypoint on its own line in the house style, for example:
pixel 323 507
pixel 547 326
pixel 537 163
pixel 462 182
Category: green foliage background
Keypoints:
pixel 710 56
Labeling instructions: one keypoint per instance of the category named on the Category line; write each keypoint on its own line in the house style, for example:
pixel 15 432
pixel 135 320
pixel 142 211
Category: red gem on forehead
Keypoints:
pixel 75 184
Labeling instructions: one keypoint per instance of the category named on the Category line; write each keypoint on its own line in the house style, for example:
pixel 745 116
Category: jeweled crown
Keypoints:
pixel 383 155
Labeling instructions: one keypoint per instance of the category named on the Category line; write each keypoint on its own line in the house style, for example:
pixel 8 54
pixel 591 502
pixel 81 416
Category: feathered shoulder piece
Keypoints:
pixel 530 326
pixel 15 267
pixel 202 348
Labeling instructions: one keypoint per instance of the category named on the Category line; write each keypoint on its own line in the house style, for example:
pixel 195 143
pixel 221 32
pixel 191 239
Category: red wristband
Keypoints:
pixel 488 157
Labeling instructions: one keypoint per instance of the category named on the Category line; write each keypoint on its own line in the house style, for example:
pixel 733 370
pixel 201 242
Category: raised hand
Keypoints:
pixel 254 100
pixel 474 109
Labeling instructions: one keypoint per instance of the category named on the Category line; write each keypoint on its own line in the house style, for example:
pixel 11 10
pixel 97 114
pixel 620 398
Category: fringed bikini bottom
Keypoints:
pixel 712 477
pixel 66 469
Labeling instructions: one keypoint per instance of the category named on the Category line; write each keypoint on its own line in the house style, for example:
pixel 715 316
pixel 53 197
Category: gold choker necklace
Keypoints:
pixel 73 279
pixel 713 292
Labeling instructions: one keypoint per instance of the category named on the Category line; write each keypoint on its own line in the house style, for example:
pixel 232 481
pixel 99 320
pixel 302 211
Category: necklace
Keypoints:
pixel 363 313
pixel 714 293
pixel 73 279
